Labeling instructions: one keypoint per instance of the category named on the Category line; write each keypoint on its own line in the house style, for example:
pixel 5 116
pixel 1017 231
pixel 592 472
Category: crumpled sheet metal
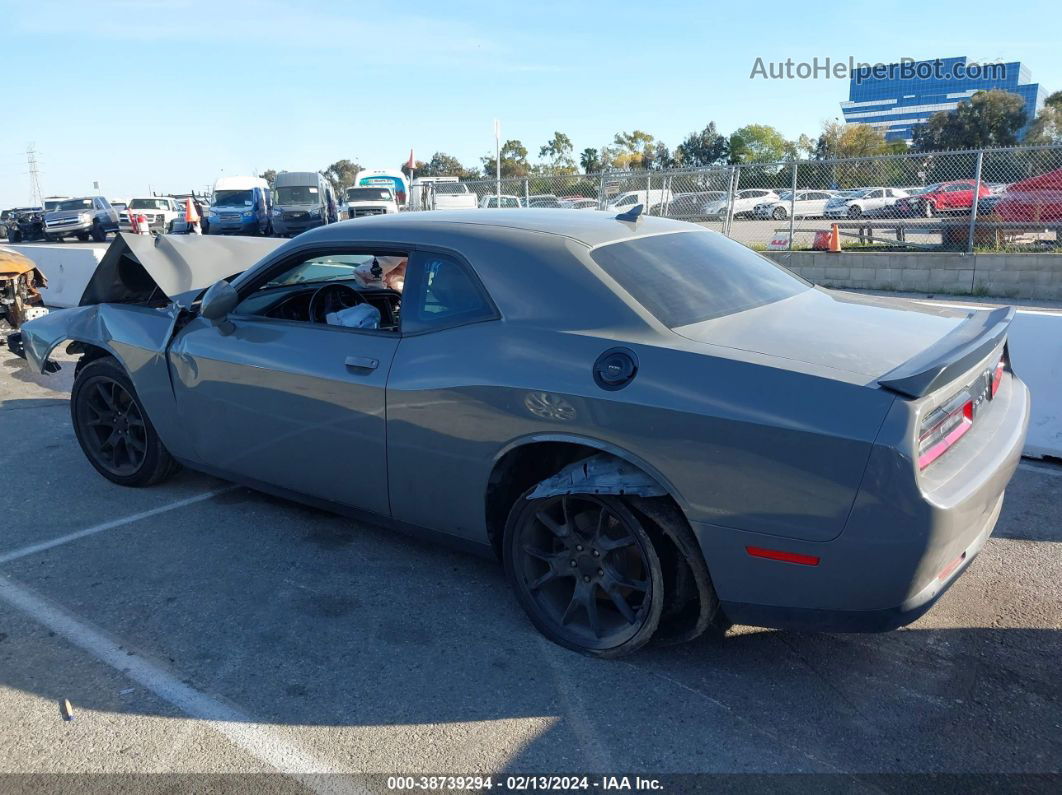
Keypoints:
pixel 599 474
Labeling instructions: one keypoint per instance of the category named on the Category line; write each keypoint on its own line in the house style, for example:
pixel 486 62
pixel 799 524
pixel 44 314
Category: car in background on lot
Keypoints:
pixel 302 200
pixel 240 206
pixel 24 225
pixel 956 196
pixel 85 217
pixel 376 200
pixel 1033 200
pixel 654 427
pixel 692 205
pixel 580 203
pixel 8 222
pixel 865 201
pixel 745 202
pixel 808 204
pixel 544 200
pixel 651 200
pixel 159 212
pixel 506 202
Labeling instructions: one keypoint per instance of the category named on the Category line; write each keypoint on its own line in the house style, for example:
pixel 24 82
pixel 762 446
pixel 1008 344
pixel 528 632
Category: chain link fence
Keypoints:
pixel 980 200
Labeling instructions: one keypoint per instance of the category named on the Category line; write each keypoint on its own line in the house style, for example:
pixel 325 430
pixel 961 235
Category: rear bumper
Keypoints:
pixel 906 540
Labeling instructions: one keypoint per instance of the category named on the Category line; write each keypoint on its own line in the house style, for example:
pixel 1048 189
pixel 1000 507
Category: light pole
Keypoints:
pixel 497 161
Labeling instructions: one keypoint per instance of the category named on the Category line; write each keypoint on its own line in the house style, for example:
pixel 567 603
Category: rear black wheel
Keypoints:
pixel 586 572
pixel 99 234
pixel 113 429
pixel 779 213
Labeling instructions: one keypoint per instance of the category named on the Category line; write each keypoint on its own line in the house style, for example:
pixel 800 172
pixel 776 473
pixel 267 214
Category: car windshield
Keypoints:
pixel 368 195
pixel 296 194
pixel 688 277
pixel 75 204
pixel 233 198
pixel 149 204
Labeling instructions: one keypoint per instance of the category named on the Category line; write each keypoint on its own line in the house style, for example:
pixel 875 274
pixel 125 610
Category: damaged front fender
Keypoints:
pixel 599 474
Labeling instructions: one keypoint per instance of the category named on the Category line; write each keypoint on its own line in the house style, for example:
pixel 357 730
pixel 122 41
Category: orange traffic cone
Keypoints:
pixel 835 238
pixel 191 217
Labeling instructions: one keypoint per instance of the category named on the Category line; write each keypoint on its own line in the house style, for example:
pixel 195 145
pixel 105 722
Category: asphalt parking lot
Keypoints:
pixel 198 627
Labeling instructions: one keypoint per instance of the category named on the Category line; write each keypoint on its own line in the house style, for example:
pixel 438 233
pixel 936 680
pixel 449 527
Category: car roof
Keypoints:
pixel 591 228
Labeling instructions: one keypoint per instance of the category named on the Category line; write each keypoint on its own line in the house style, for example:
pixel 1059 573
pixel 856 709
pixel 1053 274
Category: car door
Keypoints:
pixel 289 403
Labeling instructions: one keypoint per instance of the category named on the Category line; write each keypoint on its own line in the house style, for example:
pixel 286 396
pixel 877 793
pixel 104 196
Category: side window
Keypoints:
pixel 441 292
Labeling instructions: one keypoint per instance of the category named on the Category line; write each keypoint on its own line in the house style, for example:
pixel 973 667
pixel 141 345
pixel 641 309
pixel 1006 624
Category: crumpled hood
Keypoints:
pixel 856 333
pixel 142 269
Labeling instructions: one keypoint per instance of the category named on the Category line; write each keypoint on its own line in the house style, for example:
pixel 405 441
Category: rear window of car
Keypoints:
pixel 688 277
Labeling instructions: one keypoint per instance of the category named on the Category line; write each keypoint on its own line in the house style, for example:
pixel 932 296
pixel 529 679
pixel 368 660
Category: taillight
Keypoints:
pixel 943 428
pixel 997 376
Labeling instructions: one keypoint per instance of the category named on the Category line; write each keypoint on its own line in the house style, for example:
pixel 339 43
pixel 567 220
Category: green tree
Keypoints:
pixel 990 118
pixel 269 175
pixel 419 167
pixel 704 148
pixel 1054 101
pixel 758 143
pixel 659 157
pixel 590 161
pixel 849 140
pixel 513 160
pixel 633 149
pixel 444 165
pixel 342 174
pixel 558 150
pixel 1047 127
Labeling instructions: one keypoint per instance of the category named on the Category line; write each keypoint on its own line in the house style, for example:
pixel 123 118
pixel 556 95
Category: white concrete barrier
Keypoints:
pixel 67 268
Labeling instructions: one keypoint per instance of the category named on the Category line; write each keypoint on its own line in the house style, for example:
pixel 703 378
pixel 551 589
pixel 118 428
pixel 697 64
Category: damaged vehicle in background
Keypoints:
pixel 25 225
pixel 652 426
pixel 20 296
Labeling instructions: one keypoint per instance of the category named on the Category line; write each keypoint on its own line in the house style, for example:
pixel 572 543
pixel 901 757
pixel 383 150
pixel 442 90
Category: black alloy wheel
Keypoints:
pixel 586 572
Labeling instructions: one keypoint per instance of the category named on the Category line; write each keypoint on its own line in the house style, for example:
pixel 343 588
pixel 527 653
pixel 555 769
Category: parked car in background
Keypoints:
pixel 544 200
pixel 653 427
pixel 1032 200
pixel 88 216
pixel 302 200
pixel 375 200
pixel 506 201
pixel 808 204
pixel 25 224
pixel 580 203
pixel 385 178
pixel 692 205
pixel 441 193
pixel 160 212
pixel 745 202
pixel 651 200
pixel 240 206
pixel 7 218
pixel 864 201
pixel 943 197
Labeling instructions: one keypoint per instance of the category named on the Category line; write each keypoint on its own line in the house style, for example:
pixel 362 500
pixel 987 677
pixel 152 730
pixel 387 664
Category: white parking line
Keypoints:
pixel 32 549
pixel 256 739
pixel 1054 472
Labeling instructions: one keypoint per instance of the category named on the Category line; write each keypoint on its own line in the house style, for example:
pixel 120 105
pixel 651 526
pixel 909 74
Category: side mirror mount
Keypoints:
pixel 218 301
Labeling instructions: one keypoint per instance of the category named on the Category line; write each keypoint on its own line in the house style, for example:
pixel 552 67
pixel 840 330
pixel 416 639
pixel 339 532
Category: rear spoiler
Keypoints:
pixel 951 355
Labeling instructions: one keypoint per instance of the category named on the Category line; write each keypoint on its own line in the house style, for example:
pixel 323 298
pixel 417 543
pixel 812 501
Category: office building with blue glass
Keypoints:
pixel 898 97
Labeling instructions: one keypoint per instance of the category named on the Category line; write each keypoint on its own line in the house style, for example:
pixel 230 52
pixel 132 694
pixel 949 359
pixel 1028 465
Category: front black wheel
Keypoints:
pixel 99 234
pixel 113 429
pixel 585 571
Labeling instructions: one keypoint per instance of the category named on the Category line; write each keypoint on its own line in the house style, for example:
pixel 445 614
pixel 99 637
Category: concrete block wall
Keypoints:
pixel 1001 275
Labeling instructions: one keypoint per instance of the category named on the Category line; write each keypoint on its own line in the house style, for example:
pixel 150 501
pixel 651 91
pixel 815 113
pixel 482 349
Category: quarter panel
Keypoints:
pixel 743 445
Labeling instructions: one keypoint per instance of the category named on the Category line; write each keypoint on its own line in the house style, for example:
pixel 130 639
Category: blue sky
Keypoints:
pixel 171 94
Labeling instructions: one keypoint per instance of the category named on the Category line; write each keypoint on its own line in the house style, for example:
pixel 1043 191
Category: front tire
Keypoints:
pixel 780 213
pixel 855 211
pixel 585 571
pixel 99 234
pixel 114 430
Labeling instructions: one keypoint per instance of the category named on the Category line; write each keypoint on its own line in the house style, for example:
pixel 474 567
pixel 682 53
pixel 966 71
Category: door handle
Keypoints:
pixel 362 362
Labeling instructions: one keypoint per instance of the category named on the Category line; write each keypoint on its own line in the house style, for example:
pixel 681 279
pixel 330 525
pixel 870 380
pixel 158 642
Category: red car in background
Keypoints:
pixel 1032 200
pixel 943 197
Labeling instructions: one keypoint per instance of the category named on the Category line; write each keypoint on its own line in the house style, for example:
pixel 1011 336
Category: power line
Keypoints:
pixel 34 172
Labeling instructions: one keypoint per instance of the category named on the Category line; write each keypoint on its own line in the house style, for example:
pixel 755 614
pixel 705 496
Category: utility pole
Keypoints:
pixel 34 172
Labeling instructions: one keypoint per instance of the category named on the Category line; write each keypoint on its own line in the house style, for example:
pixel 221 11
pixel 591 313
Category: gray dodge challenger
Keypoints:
pixel 653 427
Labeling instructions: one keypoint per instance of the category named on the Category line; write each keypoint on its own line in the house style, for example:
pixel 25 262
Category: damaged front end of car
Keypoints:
pixel 20 293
